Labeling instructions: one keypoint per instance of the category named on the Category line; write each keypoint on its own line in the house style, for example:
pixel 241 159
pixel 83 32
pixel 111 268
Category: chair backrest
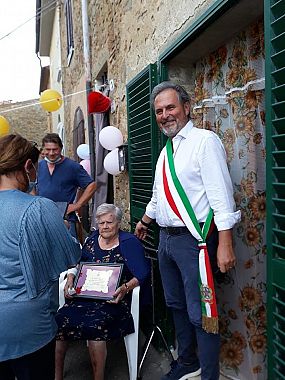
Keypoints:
pixel 132 340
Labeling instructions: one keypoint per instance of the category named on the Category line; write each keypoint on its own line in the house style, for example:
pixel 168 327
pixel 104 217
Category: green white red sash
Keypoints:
pixel 180 204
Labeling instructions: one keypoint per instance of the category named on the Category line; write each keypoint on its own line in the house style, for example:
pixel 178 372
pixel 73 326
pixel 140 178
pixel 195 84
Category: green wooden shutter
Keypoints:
pixel 275 161
pixel 143 146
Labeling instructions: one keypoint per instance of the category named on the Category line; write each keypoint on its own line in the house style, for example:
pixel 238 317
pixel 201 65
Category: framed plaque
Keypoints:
pixel 98 281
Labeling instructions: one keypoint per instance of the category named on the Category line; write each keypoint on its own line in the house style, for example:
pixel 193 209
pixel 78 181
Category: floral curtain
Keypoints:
pixel 229 99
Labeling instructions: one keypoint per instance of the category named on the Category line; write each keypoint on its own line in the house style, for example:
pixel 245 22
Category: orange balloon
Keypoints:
pixel 50 100
pixel 4 126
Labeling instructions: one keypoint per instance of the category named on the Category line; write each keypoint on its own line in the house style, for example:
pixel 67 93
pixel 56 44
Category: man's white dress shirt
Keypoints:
pixel 200 164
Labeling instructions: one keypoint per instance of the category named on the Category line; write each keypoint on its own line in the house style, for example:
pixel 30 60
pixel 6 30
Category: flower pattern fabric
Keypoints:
pixel 229 99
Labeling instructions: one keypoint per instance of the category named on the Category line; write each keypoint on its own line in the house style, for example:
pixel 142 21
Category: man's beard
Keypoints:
pixel 171 131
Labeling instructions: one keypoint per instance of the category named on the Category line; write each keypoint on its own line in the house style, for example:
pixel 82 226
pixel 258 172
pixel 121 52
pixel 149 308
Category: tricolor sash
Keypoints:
pixel 180 204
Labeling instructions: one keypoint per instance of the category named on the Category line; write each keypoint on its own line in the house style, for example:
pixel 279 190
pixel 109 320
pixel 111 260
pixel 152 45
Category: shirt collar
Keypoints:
pixel 184 132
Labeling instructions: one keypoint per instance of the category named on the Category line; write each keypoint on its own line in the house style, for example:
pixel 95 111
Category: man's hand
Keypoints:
pixel 142 227
pixel 72 207
pixel 226 259
pixel 140 231
pixel 83 198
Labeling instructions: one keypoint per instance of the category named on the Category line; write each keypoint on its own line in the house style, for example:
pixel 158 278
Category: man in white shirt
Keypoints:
pixel 191 169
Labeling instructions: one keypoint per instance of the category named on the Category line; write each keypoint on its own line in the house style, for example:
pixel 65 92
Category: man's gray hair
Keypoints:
pixel 167 85
pixel 107 208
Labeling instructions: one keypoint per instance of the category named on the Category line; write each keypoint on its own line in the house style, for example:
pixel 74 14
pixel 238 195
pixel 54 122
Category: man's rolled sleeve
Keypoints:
pixel 218 183
pixel 226 221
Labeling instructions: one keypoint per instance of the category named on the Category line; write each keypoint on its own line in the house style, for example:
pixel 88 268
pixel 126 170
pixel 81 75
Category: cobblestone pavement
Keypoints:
pixel 78 366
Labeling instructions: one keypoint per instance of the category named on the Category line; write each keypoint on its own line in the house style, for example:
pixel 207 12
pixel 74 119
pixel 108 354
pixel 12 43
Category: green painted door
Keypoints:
pixel 275 124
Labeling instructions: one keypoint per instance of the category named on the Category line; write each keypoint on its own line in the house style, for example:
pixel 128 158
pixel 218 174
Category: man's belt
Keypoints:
pixel 175 230
pixel 183 230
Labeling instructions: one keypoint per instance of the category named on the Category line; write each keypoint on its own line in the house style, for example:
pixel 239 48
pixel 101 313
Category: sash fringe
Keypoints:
pixel 210 324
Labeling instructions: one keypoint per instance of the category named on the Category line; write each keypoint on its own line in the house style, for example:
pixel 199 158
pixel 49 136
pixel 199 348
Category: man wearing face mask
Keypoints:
pixel 59 178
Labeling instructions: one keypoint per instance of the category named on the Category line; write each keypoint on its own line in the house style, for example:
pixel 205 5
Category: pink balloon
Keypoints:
pixel 86 165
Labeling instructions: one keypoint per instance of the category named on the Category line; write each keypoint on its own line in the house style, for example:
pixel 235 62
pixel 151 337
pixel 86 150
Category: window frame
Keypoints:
pixel 69 29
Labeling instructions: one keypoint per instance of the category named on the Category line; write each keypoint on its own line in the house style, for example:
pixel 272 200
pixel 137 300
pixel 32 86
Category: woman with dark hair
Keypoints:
pixel 35 247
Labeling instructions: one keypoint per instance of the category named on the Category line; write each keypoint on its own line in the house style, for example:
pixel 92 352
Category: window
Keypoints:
pixel 61 133
pixel 78 132
pixel 69 29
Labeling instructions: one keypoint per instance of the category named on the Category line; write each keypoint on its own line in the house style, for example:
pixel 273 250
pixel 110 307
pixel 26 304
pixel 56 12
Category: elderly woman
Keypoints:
pixel 99 321
pixel 35 247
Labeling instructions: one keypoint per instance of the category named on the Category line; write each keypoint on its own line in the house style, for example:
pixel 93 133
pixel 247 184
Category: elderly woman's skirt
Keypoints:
pixel 93 320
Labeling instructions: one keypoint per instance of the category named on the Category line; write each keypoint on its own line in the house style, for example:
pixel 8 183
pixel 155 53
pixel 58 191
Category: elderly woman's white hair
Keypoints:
pixel 109 208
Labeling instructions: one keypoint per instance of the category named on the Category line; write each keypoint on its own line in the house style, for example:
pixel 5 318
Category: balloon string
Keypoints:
pixel 37 103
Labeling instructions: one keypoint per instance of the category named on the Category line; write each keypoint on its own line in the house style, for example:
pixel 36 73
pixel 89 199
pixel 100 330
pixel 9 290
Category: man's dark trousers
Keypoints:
pixel 179 268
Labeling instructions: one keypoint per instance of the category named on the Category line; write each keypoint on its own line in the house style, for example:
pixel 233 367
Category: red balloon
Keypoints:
pixel 98 102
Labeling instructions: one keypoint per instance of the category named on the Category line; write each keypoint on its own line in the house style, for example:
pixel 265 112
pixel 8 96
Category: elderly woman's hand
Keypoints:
pixel 120 293
pixel 124 289
pixel 68 288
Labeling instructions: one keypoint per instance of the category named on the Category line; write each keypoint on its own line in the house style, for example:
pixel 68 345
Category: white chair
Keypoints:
pixel 131 340
pixel 62 281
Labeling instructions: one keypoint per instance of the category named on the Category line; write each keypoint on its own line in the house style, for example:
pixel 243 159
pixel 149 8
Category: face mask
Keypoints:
pixel 53 162
pixel 32 184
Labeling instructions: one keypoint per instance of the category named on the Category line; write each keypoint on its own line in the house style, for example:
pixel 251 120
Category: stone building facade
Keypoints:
pixel 26 118
pixel 124 36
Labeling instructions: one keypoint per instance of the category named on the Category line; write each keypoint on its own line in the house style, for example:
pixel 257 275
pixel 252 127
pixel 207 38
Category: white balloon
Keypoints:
pixel 111 162
pixel 83 151
pixel 86 165
pixel 110 137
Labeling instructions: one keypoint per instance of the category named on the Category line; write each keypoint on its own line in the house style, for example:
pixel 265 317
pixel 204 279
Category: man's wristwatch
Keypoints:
pixel 145 223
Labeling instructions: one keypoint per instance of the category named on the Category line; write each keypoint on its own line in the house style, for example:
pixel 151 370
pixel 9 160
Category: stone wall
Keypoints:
pixel 73 75
pixel 126 36
pixel 26 118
